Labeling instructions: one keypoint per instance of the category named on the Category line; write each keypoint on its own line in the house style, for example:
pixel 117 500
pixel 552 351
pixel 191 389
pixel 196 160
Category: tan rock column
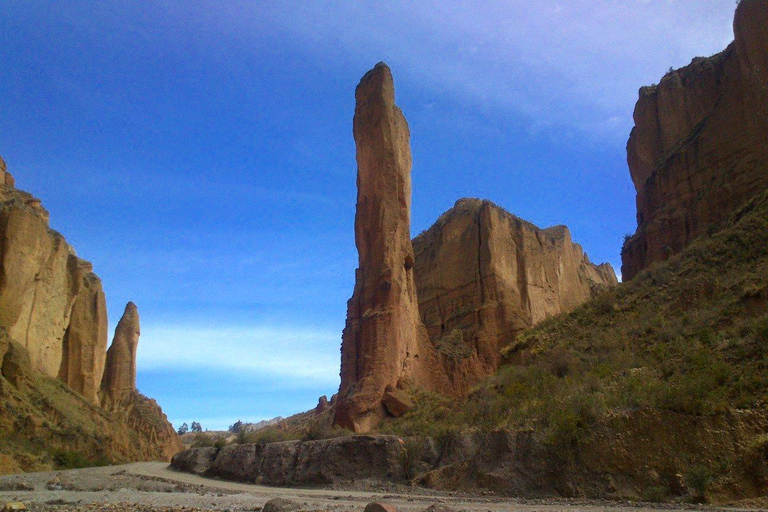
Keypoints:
pixel 120 372
pixel 384 339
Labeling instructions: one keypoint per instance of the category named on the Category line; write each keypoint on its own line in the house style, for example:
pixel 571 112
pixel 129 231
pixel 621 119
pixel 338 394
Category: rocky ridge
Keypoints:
pixel 54 322
pixel 698 149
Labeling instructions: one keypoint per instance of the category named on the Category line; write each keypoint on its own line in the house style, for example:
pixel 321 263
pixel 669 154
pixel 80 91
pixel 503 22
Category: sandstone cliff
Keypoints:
pixel 53 309
pixel 699 146
pixel 384 343
pixel 437 318
pixel 484 275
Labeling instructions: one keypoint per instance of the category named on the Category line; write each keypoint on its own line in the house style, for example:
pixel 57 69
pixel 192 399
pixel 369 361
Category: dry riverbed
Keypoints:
pixel 152 486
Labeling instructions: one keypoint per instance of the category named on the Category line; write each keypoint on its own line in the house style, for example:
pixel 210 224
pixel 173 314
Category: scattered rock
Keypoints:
pixel 380 507
pixel 54 484
pixel 280 505
pixel 438 507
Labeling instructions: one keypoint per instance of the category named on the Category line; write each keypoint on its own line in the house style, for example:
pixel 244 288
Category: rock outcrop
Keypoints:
pixel 484 275
pixel 622 460
pixel 699 148
pixel 53 308
pixel 120 373
pixel 357 459
pixel 384 343
pixel 437 318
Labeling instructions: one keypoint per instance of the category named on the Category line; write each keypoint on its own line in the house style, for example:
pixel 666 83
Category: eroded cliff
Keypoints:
pixel 434 313
pixel 53 317
pixel 384 344
pixel 484 275
pixel 699 148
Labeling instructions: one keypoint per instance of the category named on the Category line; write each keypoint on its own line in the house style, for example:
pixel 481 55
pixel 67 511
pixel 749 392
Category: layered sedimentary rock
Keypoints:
pixel 85 340
pixel 120 372
pixel 699 147
pixel 53 309
pixel 484 275
pixel 50 301
pixel 437 318
pixel 384 343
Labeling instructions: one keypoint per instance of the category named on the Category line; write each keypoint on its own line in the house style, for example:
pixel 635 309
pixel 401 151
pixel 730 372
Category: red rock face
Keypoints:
pixel 484 275
pixel 699 147
pixel 383 343
pixel 53 307
pixel 478 277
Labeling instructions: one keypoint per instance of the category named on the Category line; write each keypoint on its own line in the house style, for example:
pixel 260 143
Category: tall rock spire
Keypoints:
pixel 120 372
pixel 384 338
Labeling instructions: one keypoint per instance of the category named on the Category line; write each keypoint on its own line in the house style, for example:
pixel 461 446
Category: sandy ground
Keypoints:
pixel 152 486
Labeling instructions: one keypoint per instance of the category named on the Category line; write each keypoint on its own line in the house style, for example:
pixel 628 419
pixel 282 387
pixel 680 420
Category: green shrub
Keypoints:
pixel 70 459
pixel 409 458
pixel 323 430
pixel 697 479
pixel 655 494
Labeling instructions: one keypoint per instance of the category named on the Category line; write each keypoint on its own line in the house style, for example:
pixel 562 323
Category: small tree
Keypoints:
pixel 196 427
pixel 237 427
pixel 183 429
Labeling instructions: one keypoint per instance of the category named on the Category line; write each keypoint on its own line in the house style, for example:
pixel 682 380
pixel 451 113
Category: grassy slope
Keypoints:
pixel 687 338
pixel 44 424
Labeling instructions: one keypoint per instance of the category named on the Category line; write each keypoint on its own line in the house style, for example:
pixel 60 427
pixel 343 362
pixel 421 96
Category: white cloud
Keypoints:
pixel 286 354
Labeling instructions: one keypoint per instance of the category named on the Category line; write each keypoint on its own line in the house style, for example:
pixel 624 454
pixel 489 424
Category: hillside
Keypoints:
pixel 665 375
pixel 65 399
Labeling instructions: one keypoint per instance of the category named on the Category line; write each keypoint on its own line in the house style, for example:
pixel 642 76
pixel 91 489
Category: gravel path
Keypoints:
pixel 152 486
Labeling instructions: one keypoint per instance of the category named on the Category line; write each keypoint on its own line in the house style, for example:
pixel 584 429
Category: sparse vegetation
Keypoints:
pixel 689 335
pixel 413 449
pixel 452 345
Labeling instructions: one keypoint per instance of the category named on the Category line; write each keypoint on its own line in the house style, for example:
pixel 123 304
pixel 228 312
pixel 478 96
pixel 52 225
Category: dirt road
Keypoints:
pixel 154 485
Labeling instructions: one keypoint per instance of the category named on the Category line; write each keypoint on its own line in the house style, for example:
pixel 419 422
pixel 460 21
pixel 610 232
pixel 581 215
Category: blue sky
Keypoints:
pixel 200 154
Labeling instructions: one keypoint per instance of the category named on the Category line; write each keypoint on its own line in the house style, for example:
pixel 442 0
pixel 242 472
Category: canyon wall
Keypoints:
pixel 53 308
pixel 699 147
pixel 434 313
pixel 484 275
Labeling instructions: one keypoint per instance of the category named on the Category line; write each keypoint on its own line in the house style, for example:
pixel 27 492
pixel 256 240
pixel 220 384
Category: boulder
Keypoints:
pixel 281 505
pixel 195 460
pixel 380 507
pixel 397 402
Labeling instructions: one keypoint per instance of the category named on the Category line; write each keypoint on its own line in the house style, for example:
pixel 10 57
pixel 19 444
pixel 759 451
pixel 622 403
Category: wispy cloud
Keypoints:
pixel 291 355
pixel 577 63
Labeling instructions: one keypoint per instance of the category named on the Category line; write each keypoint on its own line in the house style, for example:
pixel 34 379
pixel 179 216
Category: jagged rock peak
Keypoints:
pixel 6 178
pixel 750 29
pixel 377 82
pixel 384 343
pixel 120 373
